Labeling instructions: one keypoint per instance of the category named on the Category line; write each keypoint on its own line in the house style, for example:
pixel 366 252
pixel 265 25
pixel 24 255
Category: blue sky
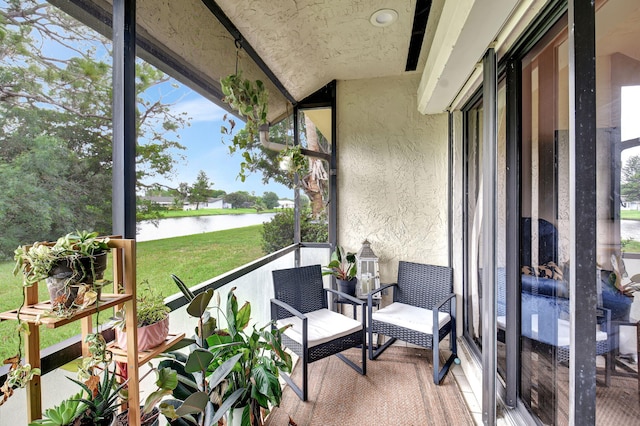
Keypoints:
pixel 202 140
pixel 205 149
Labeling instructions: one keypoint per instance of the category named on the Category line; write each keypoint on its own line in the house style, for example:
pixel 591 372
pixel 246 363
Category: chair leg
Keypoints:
pixel 373 354
pixel 438 374
pixel 302 393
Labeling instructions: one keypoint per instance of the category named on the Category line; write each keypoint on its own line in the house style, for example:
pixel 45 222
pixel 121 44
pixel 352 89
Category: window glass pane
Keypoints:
pixel 315 135
pixel 618 200
pixel 544 239
pixel 474 221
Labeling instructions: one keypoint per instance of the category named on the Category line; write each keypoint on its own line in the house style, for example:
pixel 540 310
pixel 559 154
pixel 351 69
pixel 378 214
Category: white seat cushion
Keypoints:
pixel 410 317
pixel 322 326
pixel 563 330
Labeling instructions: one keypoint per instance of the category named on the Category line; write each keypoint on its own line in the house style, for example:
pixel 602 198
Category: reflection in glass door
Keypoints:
pixel 618 203
pixel 544 229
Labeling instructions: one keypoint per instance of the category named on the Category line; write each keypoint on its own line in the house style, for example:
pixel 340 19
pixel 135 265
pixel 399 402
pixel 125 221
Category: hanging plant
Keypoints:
pixel 251 101
pixel 292 159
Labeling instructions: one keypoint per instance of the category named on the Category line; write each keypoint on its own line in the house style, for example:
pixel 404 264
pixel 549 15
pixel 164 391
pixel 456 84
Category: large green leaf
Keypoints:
pixel 223 371
pixel 167 378
pixel 199 304
pixel 227 404
pixel 196 403
pixel 266 383
pixel 243 316
pixel 198 360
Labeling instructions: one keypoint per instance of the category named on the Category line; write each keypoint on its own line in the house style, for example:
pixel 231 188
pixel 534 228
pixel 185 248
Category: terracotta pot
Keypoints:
pixel 149 336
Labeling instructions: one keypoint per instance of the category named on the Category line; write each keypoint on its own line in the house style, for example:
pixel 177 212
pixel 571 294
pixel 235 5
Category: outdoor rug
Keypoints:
pixel 397 390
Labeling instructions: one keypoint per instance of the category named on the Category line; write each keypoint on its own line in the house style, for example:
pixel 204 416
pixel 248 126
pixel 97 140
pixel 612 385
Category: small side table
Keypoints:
pixel 343 302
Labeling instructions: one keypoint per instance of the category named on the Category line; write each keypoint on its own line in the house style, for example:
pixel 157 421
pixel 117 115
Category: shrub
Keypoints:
pixel 278 233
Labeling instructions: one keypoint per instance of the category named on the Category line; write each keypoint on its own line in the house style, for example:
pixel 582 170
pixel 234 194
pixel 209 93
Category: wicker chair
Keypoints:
pixel 317 332
pixel 423 307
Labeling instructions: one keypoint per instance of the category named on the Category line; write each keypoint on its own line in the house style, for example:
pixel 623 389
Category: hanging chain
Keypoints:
pixel 238 44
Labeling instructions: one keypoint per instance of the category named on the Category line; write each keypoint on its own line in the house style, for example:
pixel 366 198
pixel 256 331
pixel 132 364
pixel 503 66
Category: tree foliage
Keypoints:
pixel 270 199
pixel 240 199
pixel 313 176
pixel 278 233
pixel 201 189
pixel 630 188
pixel 56 121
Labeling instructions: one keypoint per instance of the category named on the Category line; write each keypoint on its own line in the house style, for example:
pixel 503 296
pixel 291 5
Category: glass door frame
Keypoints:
pixel 582 129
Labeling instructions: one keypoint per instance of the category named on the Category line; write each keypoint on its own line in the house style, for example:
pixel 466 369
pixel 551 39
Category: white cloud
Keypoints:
pixel 199 110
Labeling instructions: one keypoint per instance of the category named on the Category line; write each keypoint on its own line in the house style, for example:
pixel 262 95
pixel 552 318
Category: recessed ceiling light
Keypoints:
pixel 383 17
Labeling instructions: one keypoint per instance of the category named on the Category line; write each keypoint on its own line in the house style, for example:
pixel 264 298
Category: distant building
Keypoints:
pixel 161 201
pixel 285 204
pixel 211 203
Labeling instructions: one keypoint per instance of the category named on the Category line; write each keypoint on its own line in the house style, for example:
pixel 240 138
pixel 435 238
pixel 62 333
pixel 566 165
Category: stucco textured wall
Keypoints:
pixel 392 173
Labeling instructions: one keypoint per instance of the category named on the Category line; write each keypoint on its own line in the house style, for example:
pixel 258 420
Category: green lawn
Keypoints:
pixel 194 259
pixel 630 214
pixel 210 212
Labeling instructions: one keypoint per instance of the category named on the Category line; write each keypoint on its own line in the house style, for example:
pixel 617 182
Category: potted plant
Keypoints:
pixel 256 370
pixel 153 320
pixel 96 404
pixel 292 159
pixel 225 369
pixel 343 267
pixel 166 382
pixel 75 260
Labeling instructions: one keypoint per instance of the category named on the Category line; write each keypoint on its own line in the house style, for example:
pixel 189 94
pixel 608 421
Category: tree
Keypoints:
pixel 630 189
pixel 270 199
pixel 200 191
pixel 313 177
pixel 259 205
pixel 278 233
pixel 56 112
pixel 218 193
pixel 240 199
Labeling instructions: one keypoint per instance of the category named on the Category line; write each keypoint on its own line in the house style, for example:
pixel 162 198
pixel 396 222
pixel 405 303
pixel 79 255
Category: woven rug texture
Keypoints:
pixel 397 390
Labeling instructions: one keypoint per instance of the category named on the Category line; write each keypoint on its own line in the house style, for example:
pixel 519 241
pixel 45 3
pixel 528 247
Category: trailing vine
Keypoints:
pixel 251 101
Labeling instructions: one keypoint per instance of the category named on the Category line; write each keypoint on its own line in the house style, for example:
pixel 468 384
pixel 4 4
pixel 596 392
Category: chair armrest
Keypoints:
pixel 378 290
pixel 436 309
pixel 288 308
pixel 345 296
pixel 443 301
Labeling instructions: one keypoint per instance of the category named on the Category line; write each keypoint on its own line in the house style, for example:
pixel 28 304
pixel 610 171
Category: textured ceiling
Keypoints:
pixel 305 43
pixel 308 43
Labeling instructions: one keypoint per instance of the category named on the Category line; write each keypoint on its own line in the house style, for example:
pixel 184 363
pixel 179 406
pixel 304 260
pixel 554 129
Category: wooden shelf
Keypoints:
pixel 39 312
pixel 146 356
pixel 36 313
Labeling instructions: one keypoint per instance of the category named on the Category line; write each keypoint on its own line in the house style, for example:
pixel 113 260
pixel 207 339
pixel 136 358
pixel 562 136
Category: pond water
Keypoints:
pixel 630 229
pixel 181 226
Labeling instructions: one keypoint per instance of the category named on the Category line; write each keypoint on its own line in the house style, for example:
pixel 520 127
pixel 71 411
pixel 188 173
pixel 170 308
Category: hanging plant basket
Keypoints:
pixel 251 101
pixel 292 159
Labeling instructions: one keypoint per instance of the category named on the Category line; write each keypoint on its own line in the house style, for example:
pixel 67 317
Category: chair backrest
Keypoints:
pixel 423 285
pixel 301 288
pixel 547 241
